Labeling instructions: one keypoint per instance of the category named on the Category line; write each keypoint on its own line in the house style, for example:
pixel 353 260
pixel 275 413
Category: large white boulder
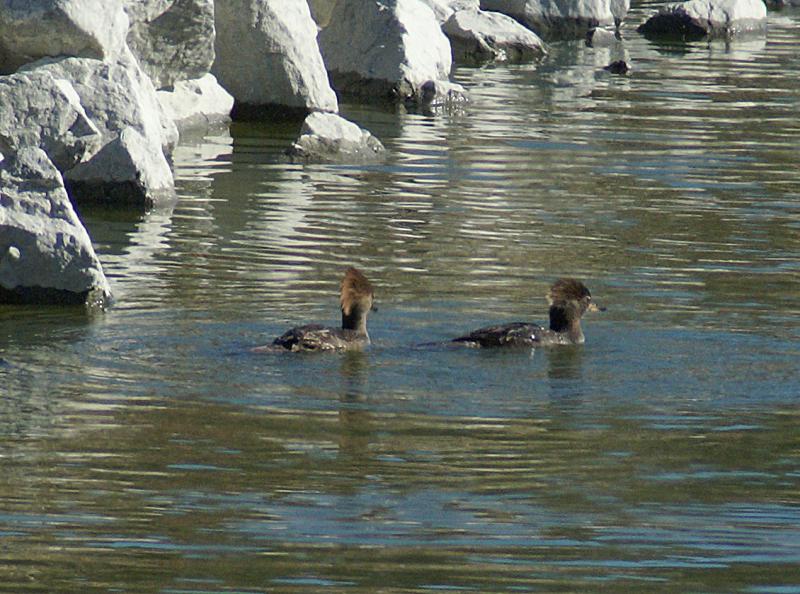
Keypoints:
pixel 392 49
pixel 39 110
pixel 327 137
pixel 196 103
pixel 478 36
pixel 700 18
pixel 45 253
pixel 442 9
pixel 267 55
pixel 35 29
pixel 172 39
pixel 117 96
pixel 129 170
pixel 561 18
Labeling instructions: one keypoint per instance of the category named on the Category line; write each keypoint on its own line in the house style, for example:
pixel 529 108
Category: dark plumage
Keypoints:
pixel 356 298
pixel 569 299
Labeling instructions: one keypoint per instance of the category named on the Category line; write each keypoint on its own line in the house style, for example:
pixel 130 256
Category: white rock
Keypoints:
pixel 118 96
pixel 444 9
pixel 267 54
pixel 385 49
pixel 561 18
pixel 36 29
pixel 602 37
pixel 39 110
pixel 327 137
pixel 115 96
pixel 479 36
pixel 128 170
pixel 172 39
pixel 441 9
pixel 197 103
pixel 442 93
pixel 45 253
pixel 700 18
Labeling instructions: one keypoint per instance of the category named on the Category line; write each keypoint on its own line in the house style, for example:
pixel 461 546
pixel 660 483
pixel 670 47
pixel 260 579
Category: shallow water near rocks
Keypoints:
pixel 146 449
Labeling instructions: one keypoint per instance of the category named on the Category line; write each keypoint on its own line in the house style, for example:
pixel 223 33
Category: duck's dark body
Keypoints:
pixel 516 334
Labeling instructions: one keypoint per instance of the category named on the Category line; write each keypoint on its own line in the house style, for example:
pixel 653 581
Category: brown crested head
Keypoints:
pixel 567 289
pixel 356 292
pixel 571 294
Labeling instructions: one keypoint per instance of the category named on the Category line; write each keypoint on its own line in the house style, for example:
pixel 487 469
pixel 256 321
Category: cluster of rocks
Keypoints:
pixel 94 93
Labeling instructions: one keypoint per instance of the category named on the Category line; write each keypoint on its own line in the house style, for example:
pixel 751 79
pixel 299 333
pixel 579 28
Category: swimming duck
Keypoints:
pixel 569 299
pixel 356 297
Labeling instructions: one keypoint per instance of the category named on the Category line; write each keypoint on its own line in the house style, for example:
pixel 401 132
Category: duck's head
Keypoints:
pixel 569 299
pixel 357 295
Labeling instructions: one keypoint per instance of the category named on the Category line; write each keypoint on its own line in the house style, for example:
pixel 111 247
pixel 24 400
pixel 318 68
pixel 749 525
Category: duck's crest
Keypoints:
pixel 567 289
pixel 355 288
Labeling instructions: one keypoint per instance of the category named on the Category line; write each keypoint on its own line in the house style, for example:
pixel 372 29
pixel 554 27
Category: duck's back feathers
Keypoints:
pixel 314 337
pixel 514 334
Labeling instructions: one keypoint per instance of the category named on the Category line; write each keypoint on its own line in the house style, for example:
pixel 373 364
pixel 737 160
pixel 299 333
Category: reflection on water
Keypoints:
pixel 147 449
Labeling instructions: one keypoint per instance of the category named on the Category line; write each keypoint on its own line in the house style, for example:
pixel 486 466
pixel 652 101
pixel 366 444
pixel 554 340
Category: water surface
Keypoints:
pixel 146 449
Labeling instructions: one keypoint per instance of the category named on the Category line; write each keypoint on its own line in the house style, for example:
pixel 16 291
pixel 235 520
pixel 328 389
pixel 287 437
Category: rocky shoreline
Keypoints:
pixel 94 94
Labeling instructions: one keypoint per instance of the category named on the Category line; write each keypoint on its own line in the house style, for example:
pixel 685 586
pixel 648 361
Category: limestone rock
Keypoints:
pixel 706 18
pixel 327 137
pixel 386 49
pixel 46 255
pixel 267 55
pixel 561 18
pixel 441 9
pixel 172 39
pixel 197 103
pixel 444 9
pixel 602 37
pixel 36 29
pixel 441 93
pixel 39 110
pixel 115 95
pixel 128 170
pixel 118 97
pixel 478 36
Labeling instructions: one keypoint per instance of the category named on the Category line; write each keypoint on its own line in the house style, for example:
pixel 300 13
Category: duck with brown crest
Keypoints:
pixel 357 300
pixel 569 299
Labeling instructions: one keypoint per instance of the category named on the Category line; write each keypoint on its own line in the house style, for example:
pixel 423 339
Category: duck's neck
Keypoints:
pixel 356 320
pixel 565 320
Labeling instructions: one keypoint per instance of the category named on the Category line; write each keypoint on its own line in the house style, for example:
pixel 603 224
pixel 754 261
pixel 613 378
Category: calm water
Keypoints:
pixel 145 449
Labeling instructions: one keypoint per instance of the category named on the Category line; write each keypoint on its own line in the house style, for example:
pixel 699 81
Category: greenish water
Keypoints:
pixel 146 449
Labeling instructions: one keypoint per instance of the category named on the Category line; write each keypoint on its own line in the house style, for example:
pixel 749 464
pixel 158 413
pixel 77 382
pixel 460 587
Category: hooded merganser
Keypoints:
pixel 356 298
pixel 569 299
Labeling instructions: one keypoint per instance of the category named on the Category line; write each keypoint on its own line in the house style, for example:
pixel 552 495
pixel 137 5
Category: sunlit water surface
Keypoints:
pixel 147 449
